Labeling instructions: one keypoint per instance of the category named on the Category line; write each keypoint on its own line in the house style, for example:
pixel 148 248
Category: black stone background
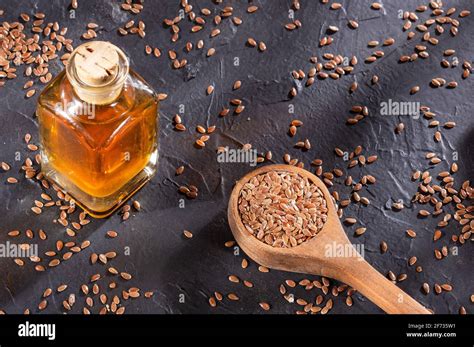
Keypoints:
pixel 164 261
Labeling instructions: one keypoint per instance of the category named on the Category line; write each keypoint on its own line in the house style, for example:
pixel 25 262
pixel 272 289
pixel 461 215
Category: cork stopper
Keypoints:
pixel 97 63
pixel 97 71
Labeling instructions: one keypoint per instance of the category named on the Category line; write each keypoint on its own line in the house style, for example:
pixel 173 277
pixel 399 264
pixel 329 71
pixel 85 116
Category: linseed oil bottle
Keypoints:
pixel 98 129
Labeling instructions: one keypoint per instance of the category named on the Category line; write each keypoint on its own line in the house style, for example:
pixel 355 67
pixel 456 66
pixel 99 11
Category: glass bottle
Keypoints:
pixel 98 129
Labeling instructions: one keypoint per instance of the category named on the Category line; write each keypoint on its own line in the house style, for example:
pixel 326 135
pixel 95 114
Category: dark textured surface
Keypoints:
pixel 161 259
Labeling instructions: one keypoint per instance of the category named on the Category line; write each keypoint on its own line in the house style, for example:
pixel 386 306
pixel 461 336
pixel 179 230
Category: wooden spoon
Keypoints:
pixel 310 257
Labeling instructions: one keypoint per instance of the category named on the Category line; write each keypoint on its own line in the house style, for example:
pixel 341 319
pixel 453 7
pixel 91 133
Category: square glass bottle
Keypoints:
pixel 98 129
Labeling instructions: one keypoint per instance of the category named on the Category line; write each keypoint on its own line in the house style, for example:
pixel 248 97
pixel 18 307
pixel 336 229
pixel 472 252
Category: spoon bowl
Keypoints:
pixel 317 255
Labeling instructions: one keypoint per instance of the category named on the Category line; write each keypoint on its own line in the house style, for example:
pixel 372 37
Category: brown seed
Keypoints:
pixel 187 234
pixel 229 244
pixel 54 262
pixel 112 234
pixel 30 93
pixel 360 231
pixel 126 276
pixel 136 205
pixel 353 24
pixel 218 296
pixel 210 52
pixel 446 287
pixel 212 302
pixel 414 90
pixel 234 279
pixel 376 6
pixel 19 262
pixel 265 306
pixel 424 213
pixel 252 9
pixel 399 128
pixel 47 292
pixel 237 85
pixel 232 297
pixel 42 305
pixel 251 42
pixel 5 166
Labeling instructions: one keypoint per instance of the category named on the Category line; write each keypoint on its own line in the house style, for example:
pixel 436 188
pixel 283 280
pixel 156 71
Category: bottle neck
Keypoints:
pixel 98 97
pixel 102 93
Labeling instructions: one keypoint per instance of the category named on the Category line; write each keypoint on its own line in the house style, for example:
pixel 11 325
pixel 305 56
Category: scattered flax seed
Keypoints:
pixel 402 277
pixel 54 262
pixel 446 287
pixel 42 305
pixel 211 52
pixel 30 93
pixel 112 234
pixel 248 284
pixel 252 9
pixel 5 166
pixel 126 276
pixel 187 234
pixel 14 233
pixel 36 210
pixel 399 128
pixel 148 294
pixel 424 213
pixel 353 24
pixel 19 262
pixel 233 297
pixel 218 296
pixel 376 6
pixel 12 180
pixel 179 170
pixel 263 269
pixel 265 306
pixel 237 85
pixel 212 302
pixel 397 205
pixel 414 90
pixel 136 205
pixel 47 292
pixel 229 244
pixel 244 263
pixel 234 279
pixel 360 231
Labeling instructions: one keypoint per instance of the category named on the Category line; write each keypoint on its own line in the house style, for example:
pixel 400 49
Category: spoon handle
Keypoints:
pixel 381 291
